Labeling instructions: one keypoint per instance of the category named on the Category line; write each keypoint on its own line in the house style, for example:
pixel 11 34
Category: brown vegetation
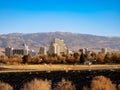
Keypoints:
pixel 97 83
pixel 101 83
pixel 5 86
pixel 62 59
pixel 116 57
pixel 65 85
pixel 108 58
pixel 118 86
pixel 37 84
pixel 16 59
pixel 100 57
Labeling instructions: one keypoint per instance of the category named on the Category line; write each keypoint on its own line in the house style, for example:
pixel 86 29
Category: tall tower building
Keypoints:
pixel 57 46
pixel 43 50
pixel 9 51
pixel 26 49
pixel 104 50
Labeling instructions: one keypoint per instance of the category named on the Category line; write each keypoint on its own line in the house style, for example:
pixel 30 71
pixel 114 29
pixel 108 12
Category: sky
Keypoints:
pixel 97 17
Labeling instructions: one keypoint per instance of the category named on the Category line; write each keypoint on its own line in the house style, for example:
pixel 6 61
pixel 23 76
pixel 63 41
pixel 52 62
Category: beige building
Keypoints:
pixel 57 46
pixel 104 50
pixel 43 51
pixel 11 51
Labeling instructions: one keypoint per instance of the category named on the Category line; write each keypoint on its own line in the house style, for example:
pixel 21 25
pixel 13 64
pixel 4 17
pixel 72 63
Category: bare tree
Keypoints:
pixel 5 86
pixel 37 84
pixel 118 86
pixel 65 85
pixel 102 83
pixel 100 57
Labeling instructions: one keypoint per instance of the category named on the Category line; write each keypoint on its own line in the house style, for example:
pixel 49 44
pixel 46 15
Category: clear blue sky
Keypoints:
pixel 98 17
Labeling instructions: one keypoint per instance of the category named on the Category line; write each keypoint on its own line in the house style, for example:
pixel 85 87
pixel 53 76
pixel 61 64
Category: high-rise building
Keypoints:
pixel 104 50
pixel 57 46
pixel 43 51
pixel 26 49
pixel 9 51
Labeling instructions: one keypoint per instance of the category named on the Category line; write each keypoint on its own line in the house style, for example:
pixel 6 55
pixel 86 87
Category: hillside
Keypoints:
pixel 72 40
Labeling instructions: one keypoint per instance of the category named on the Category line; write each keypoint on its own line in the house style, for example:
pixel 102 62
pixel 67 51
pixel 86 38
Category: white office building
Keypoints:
pixel 57 46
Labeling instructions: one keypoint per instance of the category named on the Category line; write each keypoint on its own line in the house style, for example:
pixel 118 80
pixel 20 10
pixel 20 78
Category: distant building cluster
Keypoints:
pixel 57 46
pixel 12 51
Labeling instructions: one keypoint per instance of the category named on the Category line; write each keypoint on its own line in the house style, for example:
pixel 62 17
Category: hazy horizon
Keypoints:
pixel 58 32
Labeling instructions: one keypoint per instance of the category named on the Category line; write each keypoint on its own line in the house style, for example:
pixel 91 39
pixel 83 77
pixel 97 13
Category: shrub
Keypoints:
pixel 61 59
pixel 86 88
pixel 102 83
pixel 37 84
pixel 36 59
pixel 70 58
pixel 65 85
pixel 26 59
pixel 118 86
pixel 116 57
pixel 100 58
pixel 5 86
pixel 107 58
pixel 82 58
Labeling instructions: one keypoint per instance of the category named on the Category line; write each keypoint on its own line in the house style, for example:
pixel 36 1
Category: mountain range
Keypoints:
pixel 73 41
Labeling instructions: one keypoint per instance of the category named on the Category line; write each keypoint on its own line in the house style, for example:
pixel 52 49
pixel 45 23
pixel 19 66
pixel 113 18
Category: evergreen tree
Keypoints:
pixel 26 59
pixel 82 58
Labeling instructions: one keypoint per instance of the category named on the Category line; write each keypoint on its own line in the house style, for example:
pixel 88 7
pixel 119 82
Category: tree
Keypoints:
pixel 93 54
pixel 107 58
pixel 118 86
pixel 102 83
pixel 5 86
pixel 65 85
pixel 70 58
pixel 76 56
pixel 36 59
pixel 116 57
pixel 100 58
pixel 61 59
pixel 82 58
pixel 37 84
pixel 26 59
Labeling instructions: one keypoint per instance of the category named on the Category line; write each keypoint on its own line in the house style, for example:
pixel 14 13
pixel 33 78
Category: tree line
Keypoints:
pixel 76 58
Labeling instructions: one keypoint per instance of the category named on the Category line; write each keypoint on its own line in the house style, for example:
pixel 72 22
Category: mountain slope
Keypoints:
pixel 72 40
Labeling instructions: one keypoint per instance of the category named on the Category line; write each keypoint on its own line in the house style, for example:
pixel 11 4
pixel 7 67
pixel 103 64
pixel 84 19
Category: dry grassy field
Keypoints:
pixel 54 67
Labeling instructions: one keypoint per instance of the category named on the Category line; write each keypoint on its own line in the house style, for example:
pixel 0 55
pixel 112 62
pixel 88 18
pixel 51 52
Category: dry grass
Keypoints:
pixel 102 83
pixel 55 67
pixel 5 86
pixel 65 85
pixel 37 84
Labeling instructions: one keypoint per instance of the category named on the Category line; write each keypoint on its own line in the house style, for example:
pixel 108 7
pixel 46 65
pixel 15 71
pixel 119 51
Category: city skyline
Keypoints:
pixel 101 17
